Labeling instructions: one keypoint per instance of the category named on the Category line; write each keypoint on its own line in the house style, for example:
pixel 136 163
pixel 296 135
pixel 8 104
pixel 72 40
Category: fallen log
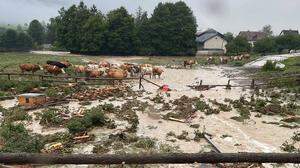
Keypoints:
pixel 170 158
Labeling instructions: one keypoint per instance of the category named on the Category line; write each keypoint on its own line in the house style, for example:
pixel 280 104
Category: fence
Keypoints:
pixel 174 158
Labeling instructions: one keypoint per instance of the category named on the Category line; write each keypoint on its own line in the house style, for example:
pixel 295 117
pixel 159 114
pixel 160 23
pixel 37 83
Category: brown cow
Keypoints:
pixel 157 71
pixel 104 64
pixel 116 73
pixel 247 56
pixel 190 63
pixel 30 67
pixel 53 69
pixel 79 69
pixel 93 73
pixel 224 60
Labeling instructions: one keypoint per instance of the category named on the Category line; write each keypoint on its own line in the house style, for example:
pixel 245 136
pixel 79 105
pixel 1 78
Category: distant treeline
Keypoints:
pixel 169 31
pixel 268 45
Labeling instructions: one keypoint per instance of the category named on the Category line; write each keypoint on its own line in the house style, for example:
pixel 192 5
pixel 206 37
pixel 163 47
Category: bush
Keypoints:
pixel 16 139
pixel 76 125
pixel 93 117
pixel 15 114
pixel 145 143
pixel 269 66
pixel 51 117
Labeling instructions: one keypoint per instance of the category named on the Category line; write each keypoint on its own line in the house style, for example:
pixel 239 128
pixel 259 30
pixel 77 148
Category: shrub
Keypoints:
pixel 145 143
pixel 16 139
pixel 51 117
pixel 15 114
pixel 76 125
pixel 269 66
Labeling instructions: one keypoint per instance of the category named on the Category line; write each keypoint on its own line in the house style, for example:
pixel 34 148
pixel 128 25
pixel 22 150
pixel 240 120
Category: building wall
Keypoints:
pixel 31 101
pixel 215 43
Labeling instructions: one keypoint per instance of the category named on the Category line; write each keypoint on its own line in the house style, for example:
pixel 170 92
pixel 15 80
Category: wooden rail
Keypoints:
pixel 174 158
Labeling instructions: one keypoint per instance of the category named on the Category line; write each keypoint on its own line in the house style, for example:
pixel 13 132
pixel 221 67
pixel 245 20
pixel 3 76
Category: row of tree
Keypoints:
pixel 169 31
pixel 22 40
pixel 269 44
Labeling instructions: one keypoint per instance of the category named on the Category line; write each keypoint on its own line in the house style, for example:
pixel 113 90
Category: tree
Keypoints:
pixel 266 45
pixel 143 42
pixel 9 39
pixel 24 42
pixel 172 29
pixel 238 45
pixel 267 29
pixel 36 32
pixel 228 37
pixel 93 38
pixel 289 42
pixel 120 36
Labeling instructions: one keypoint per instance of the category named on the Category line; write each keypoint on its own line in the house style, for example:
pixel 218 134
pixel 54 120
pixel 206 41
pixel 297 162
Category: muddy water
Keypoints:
pixel 251 136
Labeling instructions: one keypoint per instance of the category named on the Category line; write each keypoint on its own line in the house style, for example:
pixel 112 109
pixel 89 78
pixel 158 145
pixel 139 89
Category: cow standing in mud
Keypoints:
pixel 30 67
pixel 189 63
pixel 146 69
pixel 53 69
pixel 157 71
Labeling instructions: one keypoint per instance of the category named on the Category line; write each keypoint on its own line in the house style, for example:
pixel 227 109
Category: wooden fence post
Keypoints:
pixel 8 75
pixel 201 82
pixel 228 86
pixel 252 84
pixel 140 82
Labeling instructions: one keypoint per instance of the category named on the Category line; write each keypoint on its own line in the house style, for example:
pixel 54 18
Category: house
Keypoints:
pixel 252 36
pixel 210 42
pixel 289 32
pixel 31 99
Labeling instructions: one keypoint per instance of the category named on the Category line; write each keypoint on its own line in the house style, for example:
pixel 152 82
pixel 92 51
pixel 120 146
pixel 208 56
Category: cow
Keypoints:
pixel 210 60
pixel 157 71
pixel 57 64
pixel 104 64
pixel 66 63
pixel 223 60
pixel 247 56
pixel 30 67
pixel 190 63
pixel 93 73
pixel 53 69
pixel 146 69
pixel 79 69
pixel 116 73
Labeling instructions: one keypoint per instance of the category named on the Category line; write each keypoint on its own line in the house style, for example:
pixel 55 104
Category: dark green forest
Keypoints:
pixel 170 30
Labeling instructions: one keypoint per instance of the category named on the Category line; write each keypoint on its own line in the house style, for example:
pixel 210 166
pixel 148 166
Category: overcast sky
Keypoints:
pixel 222 15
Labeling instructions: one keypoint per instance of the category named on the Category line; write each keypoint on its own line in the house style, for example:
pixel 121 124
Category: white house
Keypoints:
pixel 210 42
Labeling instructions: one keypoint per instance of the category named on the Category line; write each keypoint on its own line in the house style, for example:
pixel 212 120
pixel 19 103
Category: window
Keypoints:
pixel 27 100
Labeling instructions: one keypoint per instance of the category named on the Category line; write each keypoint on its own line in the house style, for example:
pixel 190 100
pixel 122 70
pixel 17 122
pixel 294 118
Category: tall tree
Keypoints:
pixel 120 36
pixel 228 37
pixel 265 45
pixel 173 28
pixel 9 39
pixel 93 38
pixel 238 45
pixel 24 42
pixel 267 29
pixel 36 32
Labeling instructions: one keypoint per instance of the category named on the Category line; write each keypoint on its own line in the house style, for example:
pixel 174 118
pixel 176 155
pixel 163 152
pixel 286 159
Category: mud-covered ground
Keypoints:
pixel 257 133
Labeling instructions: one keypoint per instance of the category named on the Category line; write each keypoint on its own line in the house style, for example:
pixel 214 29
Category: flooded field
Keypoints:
pixel 184 133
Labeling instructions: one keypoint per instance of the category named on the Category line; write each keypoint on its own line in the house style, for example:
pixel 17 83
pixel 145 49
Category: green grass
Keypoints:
pixel 10 61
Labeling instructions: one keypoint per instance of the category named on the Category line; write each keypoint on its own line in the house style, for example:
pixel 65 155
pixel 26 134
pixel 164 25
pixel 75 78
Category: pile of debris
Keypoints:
pixel 100 93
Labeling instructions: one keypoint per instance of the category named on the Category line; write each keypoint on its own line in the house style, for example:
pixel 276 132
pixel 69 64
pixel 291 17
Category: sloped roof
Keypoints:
pixel 289 32
pixel 206 35
pixel 252 35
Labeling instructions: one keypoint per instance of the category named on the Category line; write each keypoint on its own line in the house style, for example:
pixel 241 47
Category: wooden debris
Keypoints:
pixel 175 119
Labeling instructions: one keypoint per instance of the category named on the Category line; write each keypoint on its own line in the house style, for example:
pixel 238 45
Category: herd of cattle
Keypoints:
pixel 225 60
pixel 96 69
pixel 114 70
